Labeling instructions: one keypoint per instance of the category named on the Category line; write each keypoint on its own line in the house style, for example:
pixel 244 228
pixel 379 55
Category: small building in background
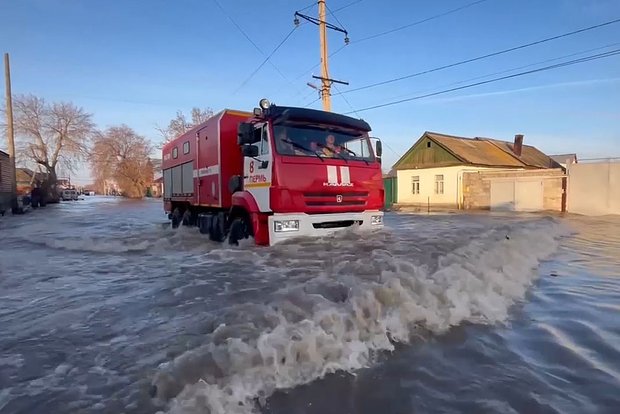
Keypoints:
pixel 156 189
pixel 564 159
pixel 451 172
pixel 26 179
pixel 6 183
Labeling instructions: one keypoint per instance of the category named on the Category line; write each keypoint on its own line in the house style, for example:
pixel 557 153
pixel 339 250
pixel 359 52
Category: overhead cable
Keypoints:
pixel 546 68
pixel 500 52
pixel 437 16
pixel 267 59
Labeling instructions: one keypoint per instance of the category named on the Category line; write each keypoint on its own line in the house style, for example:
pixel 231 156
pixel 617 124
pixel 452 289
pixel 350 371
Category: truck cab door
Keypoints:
pixel 257 170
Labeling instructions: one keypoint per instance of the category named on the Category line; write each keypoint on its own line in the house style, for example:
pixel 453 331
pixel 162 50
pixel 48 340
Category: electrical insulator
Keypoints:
pixel 346 40
pixel 296 21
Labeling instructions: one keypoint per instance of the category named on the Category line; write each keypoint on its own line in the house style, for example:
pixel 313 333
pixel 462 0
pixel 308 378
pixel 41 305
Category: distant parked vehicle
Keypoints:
pixel 68 195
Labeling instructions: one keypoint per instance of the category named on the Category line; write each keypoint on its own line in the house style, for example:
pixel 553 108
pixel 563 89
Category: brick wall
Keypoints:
pixel 477 186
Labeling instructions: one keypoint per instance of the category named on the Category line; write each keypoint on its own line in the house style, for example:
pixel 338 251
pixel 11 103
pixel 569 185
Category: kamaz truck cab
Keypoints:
pixel 305 173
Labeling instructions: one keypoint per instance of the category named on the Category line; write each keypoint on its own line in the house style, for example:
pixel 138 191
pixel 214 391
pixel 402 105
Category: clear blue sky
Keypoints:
pixel 138 62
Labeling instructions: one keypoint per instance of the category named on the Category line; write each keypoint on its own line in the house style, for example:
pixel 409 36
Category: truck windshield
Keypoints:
pixel 322 142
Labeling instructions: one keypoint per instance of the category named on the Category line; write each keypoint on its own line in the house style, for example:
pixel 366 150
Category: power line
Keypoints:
pixel 437 16
pixel 501 52
pixel 265 61
pixel 335 17
pixel 307 7
pixel 521 67
pixel 550 67
pixel 255 46
pixel 311 103
pixel 346 6
pixel 347 101
pixel 329 11
pixel 237 26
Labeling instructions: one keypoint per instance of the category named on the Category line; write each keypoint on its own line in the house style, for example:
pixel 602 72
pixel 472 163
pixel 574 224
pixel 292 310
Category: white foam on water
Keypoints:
pixel 98 245
pixel 338 321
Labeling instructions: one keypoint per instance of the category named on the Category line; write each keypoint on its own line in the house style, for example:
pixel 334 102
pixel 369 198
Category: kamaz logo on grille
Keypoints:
pixel 333 178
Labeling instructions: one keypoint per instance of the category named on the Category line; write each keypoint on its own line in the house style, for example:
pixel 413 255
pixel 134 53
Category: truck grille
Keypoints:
pixel 336 224
pixel 346 198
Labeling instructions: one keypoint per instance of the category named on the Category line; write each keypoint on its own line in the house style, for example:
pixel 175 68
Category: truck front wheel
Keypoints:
pixel 238 230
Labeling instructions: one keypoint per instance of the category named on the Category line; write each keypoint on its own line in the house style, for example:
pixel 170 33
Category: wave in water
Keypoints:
pixel 339 321
pixel 154 240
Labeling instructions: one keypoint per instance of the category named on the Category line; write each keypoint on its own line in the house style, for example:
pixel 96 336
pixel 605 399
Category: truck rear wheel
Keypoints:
pixel 238 230
pixel 176 218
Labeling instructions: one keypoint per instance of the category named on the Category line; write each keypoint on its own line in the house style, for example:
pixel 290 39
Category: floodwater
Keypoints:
pixel 105 310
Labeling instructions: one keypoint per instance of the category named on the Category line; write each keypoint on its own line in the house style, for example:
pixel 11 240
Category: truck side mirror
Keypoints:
pixel 245 134
pixel 249 151
pixel 379 149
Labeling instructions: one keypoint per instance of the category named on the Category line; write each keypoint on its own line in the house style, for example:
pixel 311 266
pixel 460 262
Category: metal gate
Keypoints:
pixel 517 195
pixel 389 184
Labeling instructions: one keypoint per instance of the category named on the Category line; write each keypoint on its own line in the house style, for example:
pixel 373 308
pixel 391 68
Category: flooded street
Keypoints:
pixel 103 309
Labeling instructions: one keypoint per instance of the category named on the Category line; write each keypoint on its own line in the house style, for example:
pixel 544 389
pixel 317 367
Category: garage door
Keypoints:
pixel 502 195
pixel 529 195
pixel 512 195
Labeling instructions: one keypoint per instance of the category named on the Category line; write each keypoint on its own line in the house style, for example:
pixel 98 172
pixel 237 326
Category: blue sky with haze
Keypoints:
pixel 138 62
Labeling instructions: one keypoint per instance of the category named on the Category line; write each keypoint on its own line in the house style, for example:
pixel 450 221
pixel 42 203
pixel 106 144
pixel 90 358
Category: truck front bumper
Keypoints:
pixel 289 226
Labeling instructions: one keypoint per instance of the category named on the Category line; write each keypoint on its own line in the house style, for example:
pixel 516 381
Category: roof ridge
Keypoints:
pixel 445 135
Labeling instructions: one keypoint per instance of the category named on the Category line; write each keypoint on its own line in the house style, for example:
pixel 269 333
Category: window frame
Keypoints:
pixel 415 184
pixel 175 153
pixel 264 147
pixel 188 148
pixel 439 184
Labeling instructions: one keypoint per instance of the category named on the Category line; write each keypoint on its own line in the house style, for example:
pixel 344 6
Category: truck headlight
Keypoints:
pixel 286 225
pixel 376 219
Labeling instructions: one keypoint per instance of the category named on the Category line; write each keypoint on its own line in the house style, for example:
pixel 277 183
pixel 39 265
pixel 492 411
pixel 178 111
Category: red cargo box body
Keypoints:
pixel 198 164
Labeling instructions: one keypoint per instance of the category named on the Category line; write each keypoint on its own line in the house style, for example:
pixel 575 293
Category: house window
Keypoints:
pixel 175 152
pixel 415 184
pixel 428 144
pixel 186 147
pixel 439 184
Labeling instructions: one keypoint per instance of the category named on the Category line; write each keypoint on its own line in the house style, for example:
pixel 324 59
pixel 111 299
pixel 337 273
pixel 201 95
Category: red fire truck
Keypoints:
pixel 274 174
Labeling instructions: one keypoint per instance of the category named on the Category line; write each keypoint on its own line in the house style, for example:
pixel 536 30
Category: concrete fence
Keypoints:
pixel 594 187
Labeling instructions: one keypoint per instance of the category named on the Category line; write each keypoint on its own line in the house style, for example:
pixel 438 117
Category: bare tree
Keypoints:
pixel 180 124
pixel 121 154
pixel 50 135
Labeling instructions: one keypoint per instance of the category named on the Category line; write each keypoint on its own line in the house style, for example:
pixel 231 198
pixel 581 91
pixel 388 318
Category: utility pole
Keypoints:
pixel 10 133
pixel 326 84
pixel 326 81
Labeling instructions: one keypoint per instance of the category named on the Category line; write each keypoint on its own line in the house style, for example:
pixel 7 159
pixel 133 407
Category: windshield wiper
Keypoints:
pixel 355 154
pixel 301 147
